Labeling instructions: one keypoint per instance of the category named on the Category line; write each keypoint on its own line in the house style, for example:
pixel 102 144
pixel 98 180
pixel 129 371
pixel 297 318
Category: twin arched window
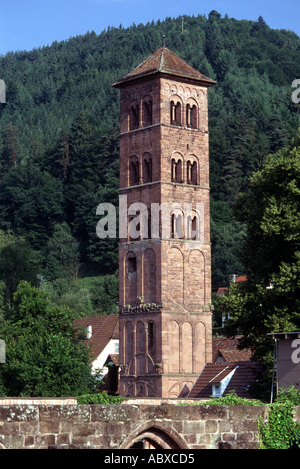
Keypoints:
pixel 188 228
pixel 175 113
pixel 191 176
pixel 191 116
pixel 177 169
pixel 140 114
pixel 140 173
pixel 176 117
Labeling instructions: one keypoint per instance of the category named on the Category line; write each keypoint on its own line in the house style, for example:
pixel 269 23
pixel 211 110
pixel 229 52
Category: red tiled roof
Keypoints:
pixel 165 61
pixel 227 347
pixel 241 379
pixel 238 279
pixel 104 328
pixel 241 278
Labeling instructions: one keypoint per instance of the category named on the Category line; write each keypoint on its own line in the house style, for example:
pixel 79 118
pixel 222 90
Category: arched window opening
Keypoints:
pixel 176 226
pixel 134 172
pixel 192 227
pixel 131 278
pixel 150 336
pixel 191 116
pixel 192 173
pixel 147 113
pixel 176 171
pixel 134 112
pixel 134 226
pixel 149 276
pixel 149 225
pixel 175 113
pixel 147 169
pixel 131 265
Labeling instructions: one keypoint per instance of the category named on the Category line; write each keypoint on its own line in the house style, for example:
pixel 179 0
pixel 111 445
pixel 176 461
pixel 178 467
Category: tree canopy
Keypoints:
pixel 59 130
pixel 45 356
pixel 59 159
pixel 270 299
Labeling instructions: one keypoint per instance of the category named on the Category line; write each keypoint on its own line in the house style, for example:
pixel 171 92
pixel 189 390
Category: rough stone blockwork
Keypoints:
pixel 120 426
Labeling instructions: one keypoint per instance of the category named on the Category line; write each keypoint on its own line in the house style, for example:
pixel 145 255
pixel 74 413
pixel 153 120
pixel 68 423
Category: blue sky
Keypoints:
pixel 28 24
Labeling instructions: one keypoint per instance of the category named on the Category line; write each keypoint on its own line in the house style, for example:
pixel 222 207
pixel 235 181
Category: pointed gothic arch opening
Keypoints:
pixel 154 436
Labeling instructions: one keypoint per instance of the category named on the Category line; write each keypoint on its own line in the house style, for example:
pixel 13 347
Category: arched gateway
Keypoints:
pixel 154 436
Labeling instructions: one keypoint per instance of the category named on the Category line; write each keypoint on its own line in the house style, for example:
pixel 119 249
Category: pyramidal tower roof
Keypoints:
pixel 166 62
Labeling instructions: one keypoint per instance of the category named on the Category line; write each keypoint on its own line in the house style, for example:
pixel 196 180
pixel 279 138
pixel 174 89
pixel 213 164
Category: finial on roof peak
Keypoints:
pixel 164 41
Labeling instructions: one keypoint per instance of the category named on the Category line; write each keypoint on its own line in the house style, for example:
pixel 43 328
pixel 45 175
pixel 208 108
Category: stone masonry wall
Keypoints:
pixel 43 426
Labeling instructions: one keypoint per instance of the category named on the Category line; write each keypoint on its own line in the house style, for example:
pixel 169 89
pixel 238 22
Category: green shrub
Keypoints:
pixel 280 431
pixel 99 398
pixel 230 399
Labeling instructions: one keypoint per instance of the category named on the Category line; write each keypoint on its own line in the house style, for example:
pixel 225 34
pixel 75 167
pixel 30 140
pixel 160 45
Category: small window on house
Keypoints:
pixel 216 390
pixel 89 332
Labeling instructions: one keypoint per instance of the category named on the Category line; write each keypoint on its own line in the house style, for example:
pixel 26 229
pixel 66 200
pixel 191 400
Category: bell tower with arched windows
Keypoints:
pixel 164 250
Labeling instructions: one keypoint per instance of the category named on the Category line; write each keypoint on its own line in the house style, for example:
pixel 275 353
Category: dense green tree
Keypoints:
pixel 270 300
pixel 105 295
pixel 18 261
pixel 30 203
pixel 62 117
pixel 44 354
pixel 61 254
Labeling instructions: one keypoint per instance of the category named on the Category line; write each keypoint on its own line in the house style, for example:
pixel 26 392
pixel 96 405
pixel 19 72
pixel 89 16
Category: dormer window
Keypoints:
pixel 221 380
pixel 216 390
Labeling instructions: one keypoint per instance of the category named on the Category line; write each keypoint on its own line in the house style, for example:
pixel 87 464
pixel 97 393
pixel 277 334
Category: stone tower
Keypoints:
pixel 164 250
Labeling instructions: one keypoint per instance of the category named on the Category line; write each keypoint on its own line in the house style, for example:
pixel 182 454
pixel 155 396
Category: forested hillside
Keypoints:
pixel 59 144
